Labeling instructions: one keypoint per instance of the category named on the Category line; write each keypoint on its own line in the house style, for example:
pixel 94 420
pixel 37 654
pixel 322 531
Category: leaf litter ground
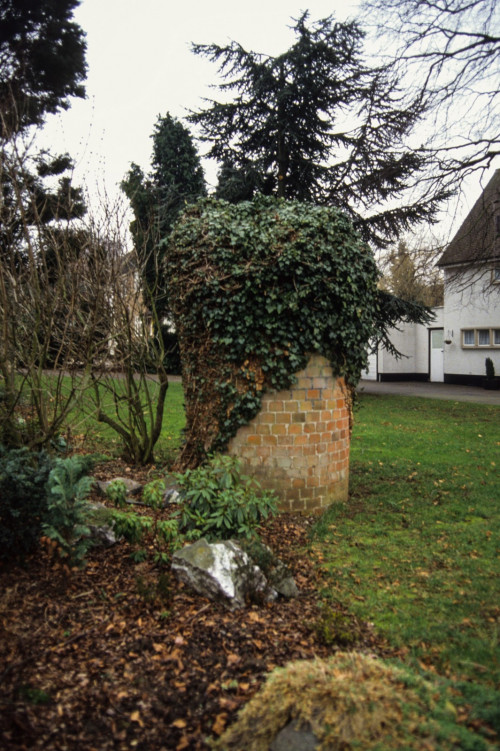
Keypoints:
pixel 103 658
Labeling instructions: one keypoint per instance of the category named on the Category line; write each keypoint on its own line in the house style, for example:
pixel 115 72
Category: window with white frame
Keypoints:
pixel 468 338
pixel 480 338
pixel 483 338
pixel 495 275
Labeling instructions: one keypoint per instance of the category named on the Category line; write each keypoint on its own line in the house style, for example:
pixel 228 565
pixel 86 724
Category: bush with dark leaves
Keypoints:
pixel 23 500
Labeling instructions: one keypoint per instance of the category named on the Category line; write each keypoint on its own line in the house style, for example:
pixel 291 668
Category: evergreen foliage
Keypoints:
pixel 68 510
pixel 42 61
pixel 316 124
pixel 255 288
pixel 157 200
pixel 23 500
pixel 42 65
pixel 37 194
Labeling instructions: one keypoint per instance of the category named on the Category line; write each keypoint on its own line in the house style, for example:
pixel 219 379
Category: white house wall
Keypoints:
pixel 422 339
pixel 469 304
pixel 412 340
pixel 403 338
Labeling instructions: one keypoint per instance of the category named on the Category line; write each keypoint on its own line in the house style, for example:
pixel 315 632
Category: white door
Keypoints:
pixel 437 355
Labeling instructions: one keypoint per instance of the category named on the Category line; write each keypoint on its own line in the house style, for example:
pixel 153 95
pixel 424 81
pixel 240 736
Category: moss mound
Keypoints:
pixel 352 701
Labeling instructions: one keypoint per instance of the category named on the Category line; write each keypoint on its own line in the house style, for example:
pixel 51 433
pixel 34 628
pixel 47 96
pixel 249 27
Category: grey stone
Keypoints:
pixel 295 737
pixel 279 576
pixel 102 535
pixel 221 571
pixel 172 495
pixel 97 506
pixel 282 580
pixel 133 487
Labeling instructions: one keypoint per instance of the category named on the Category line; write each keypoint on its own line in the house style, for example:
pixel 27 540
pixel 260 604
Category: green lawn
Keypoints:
pixel 416 550
pixel 84 431
pixel 102 437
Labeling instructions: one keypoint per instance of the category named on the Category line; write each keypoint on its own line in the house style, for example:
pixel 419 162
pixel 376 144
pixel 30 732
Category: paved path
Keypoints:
pixel 431 391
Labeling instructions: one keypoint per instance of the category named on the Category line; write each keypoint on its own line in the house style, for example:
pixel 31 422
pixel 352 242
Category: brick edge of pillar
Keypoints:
pixel 298 445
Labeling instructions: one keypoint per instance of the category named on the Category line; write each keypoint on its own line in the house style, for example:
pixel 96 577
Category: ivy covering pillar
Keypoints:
pixel 256 289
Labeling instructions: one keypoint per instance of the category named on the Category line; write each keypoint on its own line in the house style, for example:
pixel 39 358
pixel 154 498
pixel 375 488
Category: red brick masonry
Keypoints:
pixel 298 444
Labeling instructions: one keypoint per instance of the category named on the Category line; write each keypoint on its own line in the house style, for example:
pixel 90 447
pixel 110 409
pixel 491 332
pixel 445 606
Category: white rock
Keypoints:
pixel 221 571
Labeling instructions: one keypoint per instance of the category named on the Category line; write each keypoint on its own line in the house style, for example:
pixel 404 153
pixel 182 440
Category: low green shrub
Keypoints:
pixel 490 368
pixel 153 493
pixel 165 535
pixel 335 627
pixel 167 538
pixel 116 491
pixel 68 510
pixel 23 500
pixel 131 526
pixel 220 502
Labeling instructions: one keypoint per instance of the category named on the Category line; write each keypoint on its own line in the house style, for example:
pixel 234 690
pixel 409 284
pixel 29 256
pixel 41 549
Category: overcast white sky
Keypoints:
pixel 140 65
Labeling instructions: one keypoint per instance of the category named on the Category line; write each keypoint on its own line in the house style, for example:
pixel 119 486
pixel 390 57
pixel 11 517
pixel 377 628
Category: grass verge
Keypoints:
pixel 416 548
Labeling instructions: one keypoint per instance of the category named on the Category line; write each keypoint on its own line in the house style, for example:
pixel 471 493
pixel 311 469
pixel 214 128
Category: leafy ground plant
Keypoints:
pixel 415 549
pixel 116 491
pixel 165 535
pixel 68 509
pixel 222 503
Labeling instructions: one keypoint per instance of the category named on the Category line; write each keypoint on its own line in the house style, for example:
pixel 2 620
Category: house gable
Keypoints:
pixel 478 238
pixel 470 318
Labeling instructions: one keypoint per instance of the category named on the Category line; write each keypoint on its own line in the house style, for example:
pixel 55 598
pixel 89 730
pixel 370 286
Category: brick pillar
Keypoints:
pixel 298 444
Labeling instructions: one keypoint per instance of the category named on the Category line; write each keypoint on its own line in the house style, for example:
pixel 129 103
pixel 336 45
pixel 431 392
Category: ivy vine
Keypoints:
pixel 254 289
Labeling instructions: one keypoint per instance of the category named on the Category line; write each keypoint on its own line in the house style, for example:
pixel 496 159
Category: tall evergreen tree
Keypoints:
pixel 42 61
pixel 317 124
pixel 36 194
pixel 42 65
pixel 176 178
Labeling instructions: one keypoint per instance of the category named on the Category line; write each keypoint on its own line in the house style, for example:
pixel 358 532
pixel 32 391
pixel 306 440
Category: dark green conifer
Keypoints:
pixel 317 124
pixel 42 61
pixel 176 179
